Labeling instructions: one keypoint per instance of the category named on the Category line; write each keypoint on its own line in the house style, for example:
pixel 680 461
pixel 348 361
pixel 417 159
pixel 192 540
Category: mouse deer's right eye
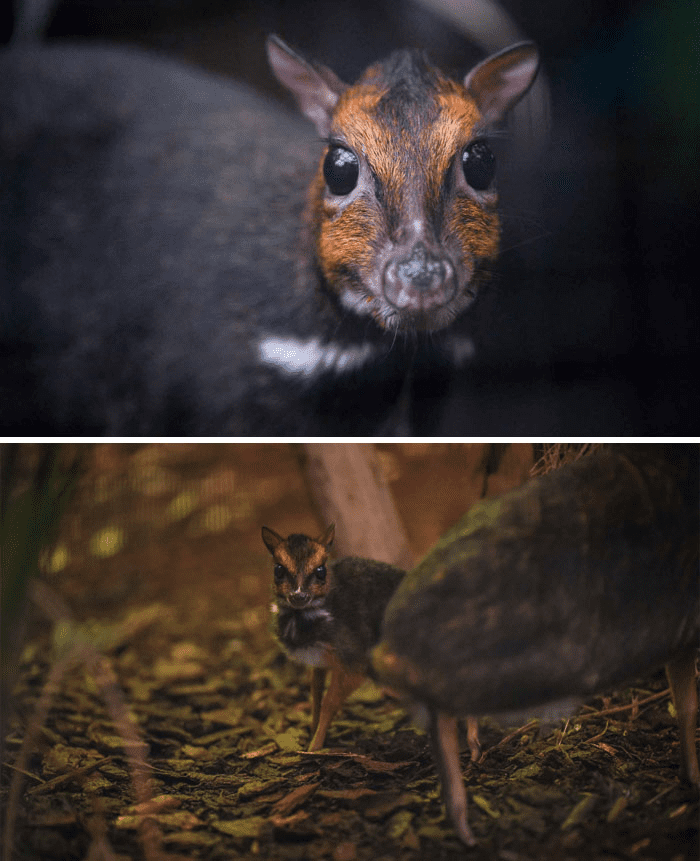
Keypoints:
pixel 341 170
pixel 280 574
pixel 479 165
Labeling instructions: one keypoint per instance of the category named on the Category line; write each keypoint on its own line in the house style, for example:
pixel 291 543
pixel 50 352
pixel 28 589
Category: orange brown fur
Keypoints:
pixel 476 228
pixel 346 236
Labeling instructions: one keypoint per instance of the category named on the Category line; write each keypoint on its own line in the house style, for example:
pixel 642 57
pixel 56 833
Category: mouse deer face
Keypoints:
pixel 301 576
pixel 403 206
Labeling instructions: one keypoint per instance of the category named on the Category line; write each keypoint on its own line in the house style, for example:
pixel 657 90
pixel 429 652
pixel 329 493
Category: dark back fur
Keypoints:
pixel 152 247
pixel 358 597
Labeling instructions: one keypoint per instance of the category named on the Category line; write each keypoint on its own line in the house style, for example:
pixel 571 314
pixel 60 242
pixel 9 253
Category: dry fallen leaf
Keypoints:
pixel 293 799
pixel 362 759
pixel 155 805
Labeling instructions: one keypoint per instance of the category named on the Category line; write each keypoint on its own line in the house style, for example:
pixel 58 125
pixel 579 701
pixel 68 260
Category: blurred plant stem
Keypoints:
pixel 36 484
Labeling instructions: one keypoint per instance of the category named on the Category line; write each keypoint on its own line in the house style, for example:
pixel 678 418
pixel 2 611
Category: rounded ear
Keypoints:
pixel 316 89
pixel 502 79
pixel 327 538
pixel 271 539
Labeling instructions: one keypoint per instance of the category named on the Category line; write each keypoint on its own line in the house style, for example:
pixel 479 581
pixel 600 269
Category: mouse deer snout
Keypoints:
pixel 418 279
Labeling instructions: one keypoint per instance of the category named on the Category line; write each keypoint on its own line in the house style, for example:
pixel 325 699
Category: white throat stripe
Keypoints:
pixel 309 356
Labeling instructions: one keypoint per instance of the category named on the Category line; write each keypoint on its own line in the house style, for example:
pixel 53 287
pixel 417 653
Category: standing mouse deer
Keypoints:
pixel 181 256
pixel 328 615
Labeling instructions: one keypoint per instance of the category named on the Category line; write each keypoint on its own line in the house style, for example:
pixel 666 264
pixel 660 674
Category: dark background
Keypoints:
pixel 596 301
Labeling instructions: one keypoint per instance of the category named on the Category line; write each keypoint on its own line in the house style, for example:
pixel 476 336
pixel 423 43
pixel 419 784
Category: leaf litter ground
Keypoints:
pixel 180 609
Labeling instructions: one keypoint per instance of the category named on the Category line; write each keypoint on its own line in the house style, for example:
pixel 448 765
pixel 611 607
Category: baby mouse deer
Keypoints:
pixel 328 615
pixel 257 280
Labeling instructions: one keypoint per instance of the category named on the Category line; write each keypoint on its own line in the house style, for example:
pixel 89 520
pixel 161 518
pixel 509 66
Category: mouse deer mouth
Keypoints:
pixel 298 600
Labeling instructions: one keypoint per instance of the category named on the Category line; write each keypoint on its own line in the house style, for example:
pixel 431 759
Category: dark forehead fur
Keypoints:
pixel 300 546
pixel 408 80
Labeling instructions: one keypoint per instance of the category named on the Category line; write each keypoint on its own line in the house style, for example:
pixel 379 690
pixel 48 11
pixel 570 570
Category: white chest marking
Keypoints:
pixel 308 357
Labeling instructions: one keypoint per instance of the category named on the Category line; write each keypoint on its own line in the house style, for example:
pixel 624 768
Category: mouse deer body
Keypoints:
pixel 577 581
pixel 328 615
pixel 181 256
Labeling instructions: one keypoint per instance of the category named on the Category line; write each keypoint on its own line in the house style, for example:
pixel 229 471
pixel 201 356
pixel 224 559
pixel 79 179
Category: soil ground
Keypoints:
pixel 161 563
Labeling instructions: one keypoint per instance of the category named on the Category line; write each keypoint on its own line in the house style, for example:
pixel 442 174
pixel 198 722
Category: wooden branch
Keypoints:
pixel 347 485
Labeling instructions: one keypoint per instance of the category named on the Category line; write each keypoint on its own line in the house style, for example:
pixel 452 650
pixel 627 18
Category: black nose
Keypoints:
pixel 419 281
pixel 421 269
pixel 299 599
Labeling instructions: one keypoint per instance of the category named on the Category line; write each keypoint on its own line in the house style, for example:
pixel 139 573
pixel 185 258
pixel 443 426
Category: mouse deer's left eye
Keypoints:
pixel 320 573
pixel 280 574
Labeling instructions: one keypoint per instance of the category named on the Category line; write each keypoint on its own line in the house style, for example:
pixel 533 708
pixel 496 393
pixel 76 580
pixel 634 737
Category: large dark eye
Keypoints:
pixel 320 573
pixel 280 574
pixel 340 170
pixel 479 165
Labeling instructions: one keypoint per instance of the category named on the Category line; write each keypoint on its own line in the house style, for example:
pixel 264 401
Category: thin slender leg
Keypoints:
pixel 318 681
pixel 473 738
pixel 443 734
pixel 341 685
pixel 684 690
